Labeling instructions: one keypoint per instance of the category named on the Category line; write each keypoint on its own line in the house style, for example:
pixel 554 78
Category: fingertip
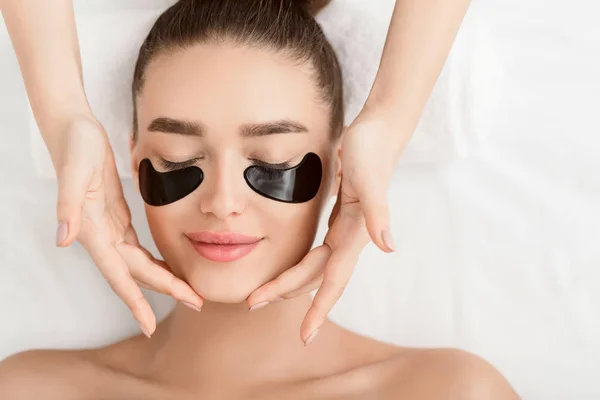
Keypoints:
pixel 258 306
pixel 381 235
pixel 145 317
pixel 199 302
pixel 187 295
pixel 304 332
pixel 309 325
pixel 67 231
pixel 62 232
pixel 388 240
pixel 377 220
pixel 148 327
pixel 68 241
pixel 257 296
pixel 252 304
pixel 191 306
pixel 249 302
pixel 311 337
pixel 144 330
pixel 152 325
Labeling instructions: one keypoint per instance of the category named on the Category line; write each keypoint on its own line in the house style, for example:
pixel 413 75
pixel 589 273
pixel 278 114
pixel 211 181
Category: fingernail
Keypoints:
pixel 144 330
pixel 61 232
pixel 259 305
pixel 388 239
pixel 190 305
pixel 311 337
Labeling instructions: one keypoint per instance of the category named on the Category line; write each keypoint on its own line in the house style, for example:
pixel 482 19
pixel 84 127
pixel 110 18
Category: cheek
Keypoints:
pixel 292 230
pixel 166 233
pixel 298 223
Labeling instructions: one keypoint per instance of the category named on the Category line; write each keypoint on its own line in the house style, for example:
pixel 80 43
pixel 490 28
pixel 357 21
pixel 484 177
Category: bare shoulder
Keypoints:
pixel 65 374
pixel 443 374
pixel 107 372
pixel 44 374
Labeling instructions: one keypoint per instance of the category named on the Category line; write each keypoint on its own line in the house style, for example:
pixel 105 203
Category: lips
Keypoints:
pixel 224 246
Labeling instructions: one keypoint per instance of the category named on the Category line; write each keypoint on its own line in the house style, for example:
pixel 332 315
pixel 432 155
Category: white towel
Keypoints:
pixel 457 116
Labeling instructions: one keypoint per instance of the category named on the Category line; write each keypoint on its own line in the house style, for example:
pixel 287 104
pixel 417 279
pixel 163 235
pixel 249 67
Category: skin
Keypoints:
pixel 92 210
pixel 226 351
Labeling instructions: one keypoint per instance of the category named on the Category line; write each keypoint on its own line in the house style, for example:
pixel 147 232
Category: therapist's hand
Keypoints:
pixel 91 209
pixel 370 152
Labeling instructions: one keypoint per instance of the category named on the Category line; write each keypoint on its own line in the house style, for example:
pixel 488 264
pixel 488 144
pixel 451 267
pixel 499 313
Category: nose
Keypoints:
pixel 222 195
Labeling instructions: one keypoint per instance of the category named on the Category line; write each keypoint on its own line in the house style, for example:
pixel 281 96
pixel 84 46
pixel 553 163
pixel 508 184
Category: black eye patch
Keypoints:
pixel 162 188
pixel 297 184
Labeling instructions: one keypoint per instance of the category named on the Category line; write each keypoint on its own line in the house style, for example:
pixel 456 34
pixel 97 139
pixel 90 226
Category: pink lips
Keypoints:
pixel 222 247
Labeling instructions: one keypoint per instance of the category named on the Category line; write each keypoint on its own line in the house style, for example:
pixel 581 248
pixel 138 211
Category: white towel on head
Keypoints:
pixel 457 116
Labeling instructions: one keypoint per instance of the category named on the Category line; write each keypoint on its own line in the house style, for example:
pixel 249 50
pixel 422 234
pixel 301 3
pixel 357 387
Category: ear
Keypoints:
pixel 134 163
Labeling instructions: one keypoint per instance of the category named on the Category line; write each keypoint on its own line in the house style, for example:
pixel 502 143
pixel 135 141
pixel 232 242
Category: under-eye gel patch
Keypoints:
pixel 296 184
pixel 162 188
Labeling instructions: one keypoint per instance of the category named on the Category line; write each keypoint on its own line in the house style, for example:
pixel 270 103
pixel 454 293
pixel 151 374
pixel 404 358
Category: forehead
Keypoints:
pixel 223 84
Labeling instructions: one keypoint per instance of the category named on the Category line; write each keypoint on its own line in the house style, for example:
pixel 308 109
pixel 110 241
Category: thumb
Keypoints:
pixel 73 184
pixel 374 204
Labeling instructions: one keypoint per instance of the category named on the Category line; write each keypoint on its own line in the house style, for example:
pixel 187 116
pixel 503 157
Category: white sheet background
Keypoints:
pixel 499 242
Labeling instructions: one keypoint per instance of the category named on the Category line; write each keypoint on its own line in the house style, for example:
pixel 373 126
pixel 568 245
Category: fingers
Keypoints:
pixel 336 208
pixel 374 205
pixel 115 271
pixel 295 278
pixel 142 284
pixel 309 287
pixel 157 278
pixel 131 238
pixel 73 183
pixel 335 278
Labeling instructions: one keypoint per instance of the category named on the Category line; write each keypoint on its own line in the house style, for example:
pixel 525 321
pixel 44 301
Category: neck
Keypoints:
pixel 226 339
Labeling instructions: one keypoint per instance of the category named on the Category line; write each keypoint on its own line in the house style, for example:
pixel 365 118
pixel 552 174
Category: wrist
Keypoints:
pixel 55 123
pixel 400 121
pixel 392 103
pixel 54 115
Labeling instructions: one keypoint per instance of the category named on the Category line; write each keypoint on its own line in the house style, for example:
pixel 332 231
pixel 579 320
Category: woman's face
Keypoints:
pixel 225 93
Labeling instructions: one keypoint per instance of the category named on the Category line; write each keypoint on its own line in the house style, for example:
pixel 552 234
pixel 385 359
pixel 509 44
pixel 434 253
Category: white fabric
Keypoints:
pixel 498 240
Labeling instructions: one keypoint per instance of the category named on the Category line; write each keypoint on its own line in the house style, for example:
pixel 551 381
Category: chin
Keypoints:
pixel 218 295
pixel 221 288
pixel 233 282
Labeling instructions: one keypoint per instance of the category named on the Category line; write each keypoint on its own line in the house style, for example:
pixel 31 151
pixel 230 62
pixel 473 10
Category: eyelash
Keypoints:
pixel 283 165
pixel 173 166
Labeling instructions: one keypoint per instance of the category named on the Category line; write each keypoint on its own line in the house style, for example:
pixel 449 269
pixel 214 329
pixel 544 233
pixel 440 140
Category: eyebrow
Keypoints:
pixel 170 125
pixel 272 128
pixel 190 128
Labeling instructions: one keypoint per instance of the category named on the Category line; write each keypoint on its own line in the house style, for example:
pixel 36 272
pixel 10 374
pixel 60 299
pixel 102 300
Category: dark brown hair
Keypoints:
pixel 285 26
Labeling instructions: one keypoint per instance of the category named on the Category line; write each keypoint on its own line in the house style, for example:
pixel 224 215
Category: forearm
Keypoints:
pixel 44 37
pixel 419 40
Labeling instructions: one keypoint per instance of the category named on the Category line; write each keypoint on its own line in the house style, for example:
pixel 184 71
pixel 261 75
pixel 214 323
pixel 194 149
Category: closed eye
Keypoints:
pixel 173 166
pixel 283 165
